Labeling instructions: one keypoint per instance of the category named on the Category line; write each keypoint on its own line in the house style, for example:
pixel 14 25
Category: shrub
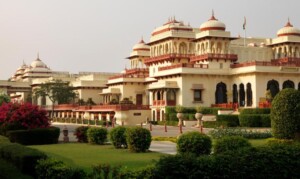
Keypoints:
pixel 143 173
pixel 176 166
pixel 173 117
pixel 118 137
pixel 255 120
pixel 24 158
pixel 53 168
pixel 97 135
pixel 9 171
pixel 35 136
pixel 4 139
pixel 81 134
pixel 277 161
pixel 105 171
pixel 228 120
pixel 250 120
pixel 265 120
pixel 230 143
pixel 138 139
pixel 195 143
pixel 285 114
pixel 249 134
pixel 255 111
pixel 22 116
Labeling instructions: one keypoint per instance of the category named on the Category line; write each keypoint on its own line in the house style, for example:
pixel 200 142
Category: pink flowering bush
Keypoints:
pixel 22 116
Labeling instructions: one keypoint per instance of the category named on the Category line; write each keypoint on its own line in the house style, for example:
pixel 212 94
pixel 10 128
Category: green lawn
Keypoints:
pixel 86 155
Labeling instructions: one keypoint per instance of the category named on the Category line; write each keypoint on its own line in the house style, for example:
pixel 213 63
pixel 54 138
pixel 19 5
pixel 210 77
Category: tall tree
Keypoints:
pixel 4 98
pixel 57 91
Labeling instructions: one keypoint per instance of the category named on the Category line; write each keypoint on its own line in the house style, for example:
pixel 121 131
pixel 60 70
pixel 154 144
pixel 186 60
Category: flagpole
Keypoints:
pixel 244 27
pixel 245 37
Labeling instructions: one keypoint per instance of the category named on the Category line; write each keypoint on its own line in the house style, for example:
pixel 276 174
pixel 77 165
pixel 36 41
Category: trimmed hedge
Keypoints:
pixel 255 120
pixel 230 143
pixel 24 158
pixel 138 139
pixel 53 168
pixel 249 134
pixel 285 114
pixel 37 136
pixel 97 135
pixel 118 137
pixel 170 113
pixel 194 143
pixel 276 161
pixel 9 171
pixel 255 111
pixel 228 120
pixel 81 134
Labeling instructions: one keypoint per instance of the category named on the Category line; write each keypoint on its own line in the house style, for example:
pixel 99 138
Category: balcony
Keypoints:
pixel 164 103
pixel 170 56
pixel 213 56
pixel 96 108
pixel 183 65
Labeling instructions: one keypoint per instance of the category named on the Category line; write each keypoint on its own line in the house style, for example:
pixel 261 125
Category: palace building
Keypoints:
pixel 182 65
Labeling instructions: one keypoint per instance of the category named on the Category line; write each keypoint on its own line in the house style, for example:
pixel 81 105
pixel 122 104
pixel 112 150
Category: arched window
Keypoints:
pixel 171 95
pixel 242 94
pixel 288 84
pixel 158 96
pixel 249 94
pixel 234 94
pixel 220 94
pixel 273 86
pixel 182 48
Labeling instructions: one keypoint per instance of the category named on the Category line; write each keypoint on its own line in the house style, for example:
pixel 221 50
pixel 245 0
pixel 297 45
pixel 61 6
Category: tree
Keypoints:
pixel 57 91
pixel 4 98
pixel 285 114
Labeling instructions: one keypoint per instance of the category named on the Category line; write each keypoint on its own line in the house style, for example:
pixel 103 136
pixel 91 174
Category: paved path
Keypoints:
pixel 157 146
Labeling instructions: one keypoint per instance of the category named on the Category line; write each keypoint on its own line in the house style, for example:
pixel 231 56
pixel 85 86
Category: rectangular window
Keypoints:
pixel 197 95
pixel 221 65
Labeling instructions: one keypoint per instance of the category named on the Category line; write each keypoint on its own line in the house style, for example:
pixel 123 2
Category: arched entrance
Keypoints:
pixel 273 86
pixel 249 94
pixel 288 84
pixel 220 94
pixel 242 94
pixel 234 94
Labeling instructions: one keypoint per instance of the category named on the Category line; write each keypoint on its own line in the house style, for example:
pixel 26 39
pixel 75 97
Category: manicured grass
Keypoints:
pixel 86 155
pixel 258 142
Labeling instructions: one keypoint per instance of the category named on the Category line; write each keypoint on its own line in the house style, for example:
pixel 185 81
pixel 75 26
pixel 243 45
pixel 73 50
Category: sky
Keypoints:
pixel 97 35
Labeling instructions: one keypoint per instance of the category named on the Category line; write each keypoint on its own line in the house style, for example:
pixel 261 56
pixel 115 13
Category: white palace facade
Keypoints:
pixel 182 65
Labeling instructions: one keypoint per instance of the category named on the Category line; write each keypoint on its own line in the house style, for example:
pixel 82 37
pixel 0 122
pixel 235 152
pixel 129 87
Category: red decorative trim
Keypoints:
pixel 144 49
pixel 287 34
pixel 212 28
pixel 212 56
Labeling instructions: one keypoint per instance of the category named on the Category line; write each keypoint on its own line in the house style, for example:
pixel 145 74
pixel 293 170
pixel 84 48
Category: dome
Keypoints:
pixel 38 63
pixel 288 29
pixel 141 46
pixel 212 24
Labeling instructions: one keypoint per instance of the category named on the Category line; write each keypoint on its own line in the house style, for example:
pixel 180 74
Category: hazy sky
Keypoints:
pixel 97 35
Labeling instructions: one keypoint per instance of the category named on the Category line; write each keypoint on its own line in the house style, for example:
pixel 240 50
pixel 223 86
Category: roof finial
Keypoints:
pixel 38 56
pixel 142 40
pixel 213 15
pixel 288 24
